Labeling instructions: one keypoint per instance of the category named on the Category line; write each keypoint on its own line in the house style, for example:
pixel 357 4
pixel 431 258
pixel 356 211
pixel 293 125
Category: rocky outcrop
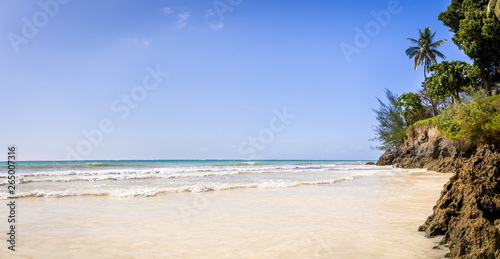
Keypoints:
pixel 468 211
pixel 425 148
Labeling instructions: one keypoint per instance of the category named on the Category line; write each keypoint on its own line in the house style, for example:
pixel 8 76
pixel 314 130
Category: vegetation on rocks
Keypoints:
pixel 457 94
pixel 452 124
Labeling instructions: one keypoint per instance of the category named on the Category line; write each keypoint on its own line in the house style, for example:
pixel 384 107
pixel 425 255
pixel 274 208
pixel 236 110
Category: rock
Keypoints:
pixel 386 158
pixel 370 163
pixel 468 211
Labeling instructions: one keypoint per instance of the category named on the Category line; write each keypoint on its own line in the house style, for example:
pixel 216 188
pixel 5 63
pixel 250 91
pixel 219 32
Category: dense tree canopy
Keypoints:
pixel 412 108
pixel 450 79
pixel 478 35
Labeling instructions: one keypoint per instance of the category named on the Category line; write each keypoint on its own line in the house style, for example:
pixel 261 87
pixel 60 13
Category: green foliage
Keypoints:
pixel 390 131
pixel 477 35
pixel 450 79
pixel 425 123
pixel 448 123
pixel 476 28
pixel 477 122
pixel 412 108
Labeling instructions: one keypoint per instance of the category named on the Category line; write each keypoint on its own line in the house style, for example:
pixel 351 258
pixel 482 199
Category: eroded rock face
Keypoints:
pixel 425 148
pixel 468 211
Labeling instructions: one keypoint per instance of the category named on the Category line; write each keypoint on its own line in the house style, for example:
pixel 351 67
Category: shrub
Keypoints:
pixel 477 122
pixel 390 131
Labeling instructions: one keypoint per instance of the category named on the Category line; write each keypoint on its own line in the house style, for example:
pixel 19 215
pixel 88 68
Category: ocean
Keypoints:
pixel 221 209
pixel 133 178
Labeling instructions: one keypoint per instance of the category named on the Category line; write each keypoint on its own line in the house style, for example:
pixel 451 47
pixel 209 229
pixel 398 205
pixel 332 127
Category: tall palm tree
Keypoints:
pixel 424 52
pixel 494 7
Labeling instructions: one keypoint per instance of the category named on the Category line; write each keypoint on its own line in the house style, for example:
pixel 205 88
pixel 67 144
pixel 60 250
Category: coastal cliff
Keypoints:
pixel 468 211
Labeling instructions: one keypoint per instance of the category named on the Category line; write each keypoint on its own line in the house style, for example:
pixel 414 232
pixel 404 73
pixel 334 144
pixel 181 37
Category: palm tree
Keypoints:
pixel 424 52
pixel 494 7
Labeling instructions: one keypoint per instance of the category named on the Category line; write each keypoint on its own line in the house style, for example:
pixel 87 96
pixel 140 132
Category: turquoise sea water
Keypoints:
pixel 131 178
pixel 103 163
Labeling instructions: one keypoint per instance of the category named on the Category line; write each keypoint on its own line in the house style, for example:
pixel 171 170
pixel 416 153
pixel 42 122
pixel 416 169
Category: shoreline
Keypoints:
pixel 371 216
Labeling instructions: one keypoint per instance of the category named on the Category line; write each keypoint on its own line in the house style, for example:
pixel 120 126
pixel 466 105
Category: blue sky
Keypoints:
pixel 246 79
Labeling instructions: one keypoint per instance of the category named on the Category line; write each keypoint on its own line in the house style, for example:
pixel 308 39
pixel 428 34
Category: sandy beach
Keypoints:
pixel 368 217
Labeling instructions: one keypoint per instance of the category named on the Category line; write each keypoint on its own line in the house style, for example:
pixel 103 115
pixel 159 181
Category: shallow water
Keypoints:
pixel 371 216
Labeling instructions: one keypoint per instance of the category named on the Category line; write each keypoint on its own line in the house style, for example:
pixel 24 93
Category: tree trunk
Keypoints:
pixel 457 98
pixel 490 84
pixel 487 82
pixel 433 103
pixel 434 108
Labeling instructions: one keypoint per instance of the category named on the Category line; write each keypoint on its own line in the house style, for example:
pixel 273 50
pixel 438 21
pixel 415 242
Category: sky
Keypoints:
pixel 223 79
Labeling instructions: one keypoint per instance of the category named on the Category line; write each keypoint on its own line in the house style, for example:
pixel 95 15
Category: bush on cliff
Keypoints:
pixel 477 122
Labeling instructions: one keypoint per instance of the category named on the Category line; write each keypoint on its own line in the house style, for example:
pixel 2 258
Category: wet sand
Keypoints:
pixel 372 217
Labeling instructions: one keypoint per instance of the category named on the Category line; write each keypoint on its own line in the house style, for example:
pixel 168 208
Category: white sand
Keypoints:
pixel 373 217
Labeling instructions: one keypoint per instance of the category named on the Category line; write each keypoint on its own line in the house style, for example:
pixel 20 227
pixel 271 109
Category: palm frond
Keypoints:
pixel 418 60
pixel 422 35
pixel 413 40
pixel 431 58
pixel 437 43
pixel 439 54
pixel 432 36
pixel 412 51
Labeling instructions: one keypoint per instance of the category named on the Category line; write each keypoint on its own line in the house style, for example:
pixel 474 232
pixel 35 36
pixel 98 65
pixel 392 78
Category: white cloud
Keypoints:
pixel 216 26
pixel 167 10
pixel 142 42
pixel 145 42
pixel 209 13
pixel 182 19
